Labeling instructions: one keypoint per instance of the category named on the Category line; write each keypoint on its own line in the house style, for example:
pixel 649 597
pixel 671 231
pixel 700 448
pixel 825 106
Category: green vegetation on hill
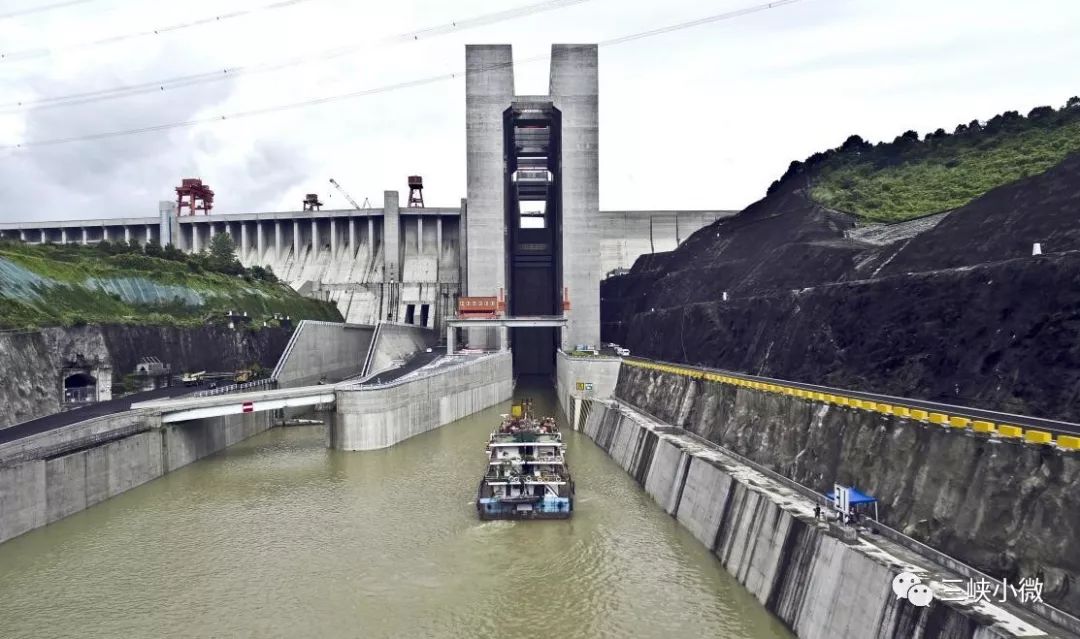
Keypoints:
pixel 909 177
pixel 110 283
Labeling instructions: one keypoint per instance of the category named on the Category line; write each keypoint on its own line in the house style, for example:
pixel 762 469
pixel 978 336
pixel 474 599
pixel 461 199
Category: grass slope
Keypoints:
pixel 909 178
pixel 50 285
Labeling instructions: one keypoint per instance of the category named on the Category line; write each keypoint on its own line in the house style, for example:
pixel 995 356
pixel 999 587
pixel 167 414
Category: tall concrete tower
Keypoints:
pixel 533 196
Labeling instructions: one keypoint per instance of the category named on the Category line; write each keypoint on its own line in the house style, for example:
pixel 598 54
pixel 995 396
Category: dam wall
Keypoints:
pixel 318 350
pixel 47 477
pixel 823 580
pixel 1005 506
pixel 372 417
pixel 342 255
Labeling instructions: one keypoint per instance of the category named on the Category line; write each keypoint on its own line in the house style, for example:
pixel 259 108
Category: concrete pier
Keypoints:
pixel 369 418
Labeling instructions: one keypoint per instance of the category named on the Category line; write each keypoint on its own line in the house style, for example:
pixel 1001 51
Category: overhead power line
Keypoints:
pixel 47 51
pixel 219 75
pixel 393 87
pixel 41 9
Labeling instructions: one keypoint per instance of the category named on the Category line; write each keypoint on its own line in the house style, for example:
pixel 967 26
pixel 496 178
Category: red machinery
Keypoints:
pixel 194 195
pixel 481 307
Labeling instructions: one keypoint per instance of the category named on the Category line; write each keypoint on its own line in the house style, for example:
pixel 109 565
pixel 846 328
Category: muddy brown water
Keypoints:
pixel 280 537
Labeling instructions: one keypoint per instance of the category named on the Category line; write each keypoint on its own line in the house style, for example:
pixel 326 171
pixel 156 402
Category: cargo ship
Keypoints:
pixel 526 476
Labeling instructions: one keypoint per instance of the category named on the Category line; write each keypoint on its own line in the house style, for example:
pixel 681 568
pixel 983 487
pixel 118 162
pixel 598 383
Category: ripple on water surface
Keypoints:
pixel 279 537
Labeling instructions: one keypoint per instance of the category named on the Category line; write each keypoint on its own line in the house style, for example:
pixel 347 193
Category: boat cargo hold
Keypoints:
pixel 527 476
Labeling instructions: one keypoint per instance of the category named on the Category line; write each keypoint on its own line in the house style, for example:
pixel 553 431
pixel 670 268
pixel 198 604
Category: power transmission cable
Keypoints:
pixel 396 86
pixel 18 13
pixel 239 13
pixel 218 75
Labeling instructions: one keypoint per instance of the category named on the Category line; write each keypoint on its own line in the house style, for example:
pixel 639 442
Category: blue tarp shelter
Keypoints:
pixel 855 498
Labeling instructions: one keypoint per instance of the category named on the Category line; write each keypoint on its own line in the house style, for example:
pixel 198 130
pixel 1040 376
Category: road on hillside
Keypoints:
pixel 99 409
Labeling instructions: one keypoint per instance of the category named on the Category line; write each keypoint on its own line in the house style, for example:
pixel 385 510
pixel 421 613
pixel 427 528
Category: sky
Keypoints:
pixel 698 118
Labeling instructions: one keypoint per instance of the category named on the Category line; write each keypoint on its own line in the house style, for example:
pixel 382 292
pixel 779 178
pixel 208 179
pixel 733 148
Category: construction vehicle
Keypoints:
pixel 193 379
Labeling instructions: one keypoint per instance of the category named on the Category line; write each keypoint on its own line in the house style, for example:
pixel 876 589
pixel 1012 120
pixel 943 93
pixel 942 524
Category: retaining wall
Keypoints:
pixel 75 467
pixel 323 349
pixel 395 343
pixel 818 583
pixel 372 417
pixel 599 373
pixel 1006 506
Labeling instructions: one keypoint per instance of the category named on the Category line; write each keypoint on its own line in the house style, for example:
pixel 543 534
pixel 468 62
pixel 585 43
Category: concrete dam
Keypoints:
pixel 332 496
pixel 340 255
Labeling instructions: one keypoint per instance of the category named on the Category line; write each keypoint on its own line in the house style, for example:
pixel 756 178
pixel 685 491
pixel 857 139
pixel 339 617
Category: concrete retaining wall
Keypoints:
pixel 802 570
pixel 368 418
pixel 41 490
pixel 323 349
pixel 1000 504
pixel 397 342
pixel 602 373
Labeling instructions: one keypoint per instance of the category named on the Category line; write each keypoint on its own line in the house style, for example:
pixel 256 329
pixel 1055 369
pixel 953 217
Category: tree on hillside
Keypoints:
pixel 222 257
pixel 855 143
pixel 1073 102
pixel 153 248
pixel 173 254
pixel 1040 112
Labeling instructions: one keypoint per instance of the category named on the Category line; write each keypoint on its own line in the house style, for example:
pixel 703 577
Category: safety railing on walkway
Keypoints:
pixel 259 384
pixel 1040 609
pixel 983 422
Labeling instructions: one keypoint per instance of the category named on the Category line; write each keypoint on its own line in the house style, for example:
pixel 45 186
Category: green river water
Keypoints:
pixel 280 537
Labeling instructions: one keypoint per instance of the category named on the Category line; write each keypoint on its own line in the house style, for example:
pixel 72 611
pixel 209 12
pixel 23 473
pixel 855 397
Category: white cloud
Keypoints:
pixel 701 118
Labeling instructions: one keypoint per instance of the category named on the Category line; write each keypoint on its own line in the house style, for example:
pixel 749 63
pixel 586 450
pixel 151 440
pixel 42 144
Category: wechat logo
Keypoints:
pixel 908 586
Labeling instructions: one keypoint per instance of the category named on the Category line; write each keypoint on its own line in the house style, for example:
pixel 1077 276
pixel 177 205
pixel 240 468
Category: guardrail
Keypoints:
pixel 1042 610
pixel 422 372
pixel 978 421
pixel 267 383
pixel 366 368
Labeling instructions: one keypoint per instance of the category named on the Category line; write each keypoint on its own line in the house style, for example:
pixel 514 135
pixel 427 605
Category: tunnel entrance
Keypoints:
pixel 79 388
pixel 532 131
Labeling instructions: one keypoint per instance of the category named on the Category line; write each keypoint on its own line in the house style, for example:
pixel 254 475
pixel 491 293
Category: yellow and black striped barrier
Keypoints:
pixel 959 422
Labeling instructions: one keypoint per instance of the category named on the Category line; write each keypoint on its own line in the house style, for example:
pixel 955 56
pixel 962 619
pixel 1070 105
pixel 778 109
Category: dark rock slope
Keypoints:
pixel 32 362
pixel 959 311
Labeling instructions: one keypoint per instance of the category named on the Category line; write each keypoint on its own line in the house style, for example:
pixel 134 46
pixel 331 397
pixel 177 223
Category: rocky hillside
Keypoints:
pixel 33 361
pixel 72 285
pixel 952 307
pixel 909 177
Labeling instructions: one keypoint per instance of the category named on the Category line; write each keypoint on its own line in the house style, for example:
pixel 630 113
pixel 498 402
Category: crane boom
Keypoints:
pixel 347 196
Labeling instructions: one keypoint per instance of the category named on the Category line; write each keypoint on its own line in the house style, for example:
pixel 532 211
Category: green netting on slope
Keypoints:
pixel 137 290
pixel 19 283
